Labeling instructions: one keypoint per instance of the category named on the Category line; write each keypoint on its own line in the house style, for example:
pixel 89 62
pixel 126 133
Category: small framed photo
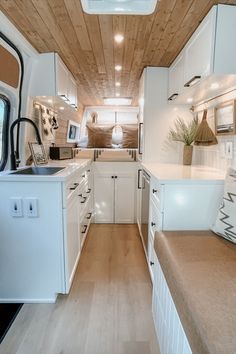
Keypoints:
pixel 225 121
pixel 38 154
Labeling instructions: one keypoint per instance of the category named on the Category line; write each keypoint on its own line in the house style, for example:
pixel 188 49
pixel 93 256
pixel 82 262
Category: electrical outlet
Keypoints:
pixel 229 150
pixel 16 207
pixel 31 207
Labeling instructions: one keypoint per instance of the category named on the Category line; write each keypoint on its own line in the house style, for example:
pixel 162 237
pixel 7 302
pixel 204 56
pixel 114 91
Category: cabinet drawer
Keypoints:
pixel 156 219
pixel 156 193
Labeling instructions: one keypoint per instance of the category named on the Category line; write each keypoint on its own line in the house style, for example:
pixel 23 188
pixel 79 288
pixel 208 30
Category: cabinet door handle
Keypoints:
pixel 112 176
pixel 89 190
pixel 154 191
pixel 89 216
pixel 88 171
pixel 151 263
pixel 74 187
pixel 64 97
pixel 139 187
pixel 195 78
pixel 84 230
pixel 153 224
pixel 116 176
pixel 83 176
pixel 139 138
pixel 173 97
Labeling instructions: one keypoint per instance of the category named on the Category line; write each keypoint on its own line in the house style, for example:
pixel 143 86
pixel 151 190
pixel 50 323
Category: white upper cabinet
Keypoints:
pixel 72 91
pixel 52 78
pixel 199 51
pixel 207 58
pixel 61 78
pixel 176 77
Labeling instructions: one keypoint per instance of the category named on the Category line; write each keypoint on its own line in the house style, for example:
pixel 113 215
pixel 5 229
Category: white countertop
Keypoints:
pixel 71 166
pixel 171 173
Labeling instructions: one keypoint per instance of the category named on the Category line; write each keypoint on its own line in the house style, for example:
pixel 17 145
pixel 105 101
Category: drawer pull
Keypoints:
pixel 153 224
pixel 74 187
pixel 89 190
pixel 83 201
pixel 84 229
pixel 151 263
pixel 154 191
pixel 89 216
pixel 83 176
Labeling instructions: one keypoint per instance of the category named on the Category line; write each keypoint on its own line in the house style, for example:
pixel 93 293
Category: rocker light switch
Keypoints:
pixel 16 207
pixel 31 207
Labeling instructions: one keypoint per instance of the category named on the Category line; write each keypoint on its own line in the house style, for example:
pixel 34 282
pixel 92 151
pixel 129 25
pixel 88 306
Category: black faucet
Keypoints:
pixel 13 153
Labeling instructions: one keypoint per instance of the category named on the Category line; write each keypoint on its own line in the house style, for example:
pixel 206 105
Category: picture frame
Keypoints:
pixel 38 153
pixel 73 132
pixel 225 118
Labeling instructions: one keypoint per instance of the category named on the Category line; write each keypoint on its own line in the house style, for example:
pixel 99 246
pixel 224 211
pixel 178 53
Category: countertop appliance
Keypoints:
pixel 60 152
pixel 145 208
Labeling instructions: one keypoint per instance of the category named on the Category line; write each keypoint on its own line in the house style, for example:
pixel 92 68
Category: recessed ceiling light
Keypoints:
pixel 61 108
pixel 119 38
pixel 117 84
pixel 129 7
pixel 117 94
pixel 49 101
pixel 118 67
pixel 190 100
pixel 117 101
pixel 215 85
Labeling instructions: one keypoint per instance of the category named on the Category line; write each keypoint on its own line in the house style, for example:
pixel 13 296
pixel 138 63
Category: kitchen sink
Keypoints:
pixel 39 171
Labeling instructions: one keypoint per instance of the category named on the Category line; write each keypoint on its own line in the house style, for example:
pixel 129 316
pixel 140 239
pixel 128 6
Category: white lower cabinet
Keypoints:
pixel 114 192
pixel 171 336
pixel 41 252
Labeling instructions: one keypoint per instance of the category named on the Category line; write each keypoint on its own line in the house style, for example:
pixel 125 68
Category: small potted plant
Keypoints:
pixel 184 132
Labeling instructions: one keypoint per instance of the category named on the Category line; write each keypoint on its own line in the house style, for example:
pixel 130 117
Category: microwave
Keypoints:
pixel 60 152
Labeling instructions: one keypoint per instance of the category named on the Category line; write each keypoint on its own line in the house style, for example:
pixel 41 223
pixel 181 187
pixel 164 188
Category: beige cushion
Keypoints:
pixel 225 224
pixel 130 136
pixel 99 136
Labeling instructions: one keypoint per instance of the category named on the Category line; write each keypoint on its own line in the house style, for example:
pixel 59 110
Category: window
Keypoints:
pixel 4 130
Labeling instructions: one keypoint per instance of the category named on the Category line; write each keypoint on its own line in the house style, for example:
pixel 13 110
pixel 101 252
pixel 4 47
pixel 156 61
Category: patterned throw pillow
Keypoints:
pixel 99 136
pixel 225 224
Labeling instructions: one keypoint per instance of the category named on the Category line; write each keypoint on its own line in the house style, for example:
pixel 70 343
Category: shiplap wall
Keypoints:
pixel 61 132
pixel 212 156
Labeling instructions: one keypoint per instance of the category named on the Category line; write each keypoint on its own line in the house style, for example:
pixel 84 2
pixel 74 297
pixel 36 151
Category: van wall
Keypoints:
pixel 212 156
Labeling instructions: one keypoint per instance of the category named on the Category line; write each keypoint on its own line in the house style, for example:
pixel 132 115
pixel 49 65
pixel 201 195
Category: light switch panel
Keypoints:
pixel 16 207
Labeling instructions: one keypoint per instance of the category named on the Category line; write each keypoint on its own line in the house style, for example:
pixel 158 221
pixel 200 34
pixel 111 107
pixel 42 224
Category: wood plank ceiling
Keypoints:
pixel 86 42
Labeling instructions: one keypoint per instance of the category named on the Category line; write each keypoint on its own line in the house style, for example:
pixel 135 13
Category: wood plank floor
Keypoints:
pixel 108 310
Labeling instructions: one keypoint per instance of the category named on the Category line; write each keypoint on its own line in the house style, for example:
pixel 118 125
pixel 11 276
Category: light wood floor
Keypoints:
pixel 108 310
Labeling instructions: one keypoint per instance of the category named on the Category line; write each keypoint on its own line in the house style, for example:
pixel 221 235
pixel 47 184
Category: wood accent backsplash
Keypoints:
pixel 61 132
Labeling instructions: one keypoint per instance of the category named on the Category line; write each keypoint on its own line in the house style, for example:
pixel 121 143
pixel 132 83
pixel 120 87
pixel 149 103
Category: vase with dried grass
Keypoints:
pixel 185 133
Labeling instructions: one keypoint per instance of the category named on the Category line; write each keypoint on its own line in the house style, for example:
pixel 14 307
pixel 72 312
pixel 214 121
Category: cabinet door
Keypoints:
pixel 72 239
pixel 62 75
pixel 124 199
pixel 199 52
pixel 72 91
pixel 104 198
pixel 176 77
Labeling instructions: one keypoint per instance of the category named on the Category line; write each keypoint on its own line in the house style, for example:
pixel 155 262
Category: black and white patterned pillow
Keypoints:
pixel 225 224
